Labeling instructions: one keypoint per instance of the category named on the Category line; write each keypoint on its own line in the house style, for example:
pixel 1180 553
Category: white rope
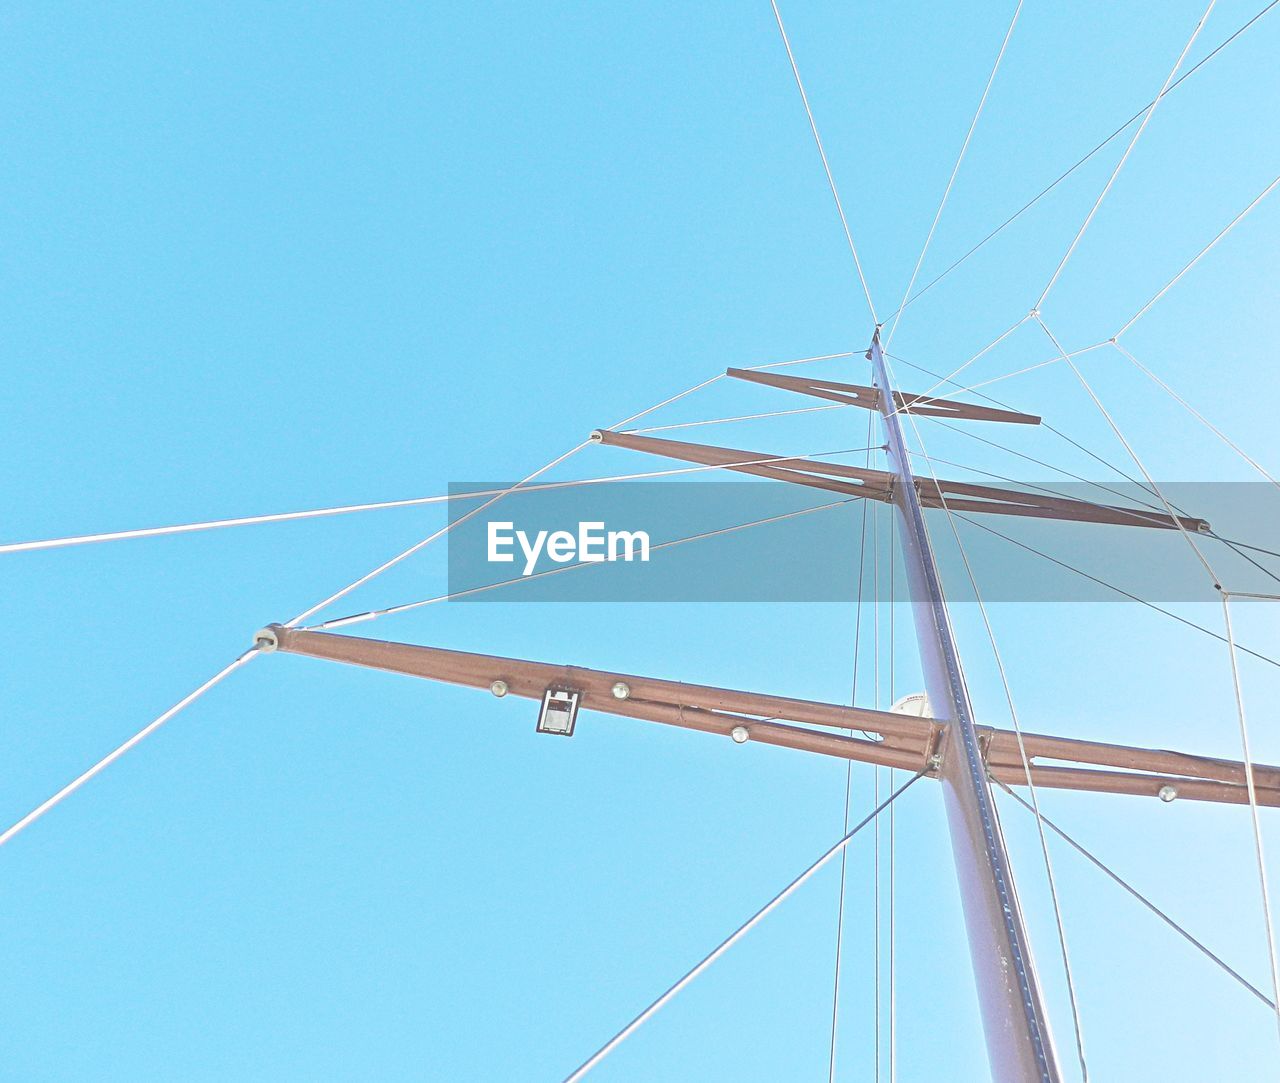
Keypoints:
pixel 964 147
pixel 448 528
pixel 346 509
pixel 156 723
pixel 805 360
pixel 373 614
pixel 1198 415
pixel 1022 752
pixel 835 194
pixel 418 546
pixel 217 524
pixel 1253 809
pixel 111 757
pixel 732 939
pixel 445 498
pixel 1125 156
pixel 1198 257
pixel 741 417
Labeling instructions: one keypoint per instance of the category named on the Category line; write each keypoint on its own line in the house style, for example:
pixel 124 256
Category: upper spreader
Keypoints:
pixel 869 398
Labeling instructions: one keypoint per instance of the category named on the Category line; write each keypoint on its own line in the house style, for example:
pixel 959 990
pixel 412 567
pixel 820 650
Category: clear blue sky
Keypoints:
pixel 261 259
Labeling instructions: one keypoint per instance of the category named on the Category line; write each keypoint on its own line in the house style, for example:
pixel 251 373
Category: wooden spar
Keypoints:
pixel 879 485
pixel 907 742
pixel 712 710
pixel 833 477
pixel 869 398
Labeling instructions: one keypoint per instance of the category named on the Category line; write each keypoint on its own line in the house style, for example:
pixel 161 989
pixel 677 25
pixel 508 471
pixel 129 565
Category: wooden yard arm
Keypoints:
pixel 906 742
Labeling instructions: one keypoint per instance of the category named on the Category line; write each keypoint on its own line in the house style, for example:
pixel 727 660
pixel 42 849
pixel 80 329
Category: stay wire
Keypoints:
pixel 1196 259
pixel 734 937
pixel 1196 413
pixel 1234 546
pixel 848 782
pixel 1079 162
pixel 1116 878
pixel 826 166
pixel 1113 587
pixel 1253 809
pixel 404 607
pixel 120 750
pixel 1142 127
pixel 964 147
pixel 1115 428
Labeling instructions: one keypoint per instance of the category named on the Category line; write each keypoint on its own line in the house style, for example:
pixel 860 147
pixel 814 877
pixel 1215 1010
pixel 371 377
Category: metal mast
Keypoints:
pixel 1016 1025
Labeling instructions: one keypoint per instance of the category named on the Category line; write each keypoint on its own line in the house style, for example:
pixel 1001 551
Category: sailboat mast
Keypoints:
pixel 1015 1023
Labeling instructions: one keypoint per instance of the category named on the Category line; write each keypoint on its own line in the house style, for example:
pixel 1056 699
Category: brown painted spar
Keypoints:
pixel 878 485
pixel 904 741
pixel 1134 784
pixel 869 398
pixel 700 707
pixel 833 477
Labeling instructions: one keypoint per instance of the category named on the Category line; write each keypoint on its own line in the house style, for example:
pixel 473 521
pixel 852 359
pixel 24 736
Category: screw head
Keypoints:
pixel 740 734
pixel 621 690
pixel 499 688
pixel 1167 793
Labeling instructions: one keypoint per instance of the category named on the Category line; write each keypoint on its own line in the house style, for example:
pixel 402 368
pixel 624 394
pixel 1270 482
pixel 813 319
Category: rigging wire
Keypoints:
pixel 1142 127
pixel 950 377
pixel 743 417
pixel 120 750
pixel 848 781
pixel 373 614
pixel 893 1011
pixel 875 796
pixel 735 936
pixel 1217 581
pixel 964 147
pixel 1135 893
pixel 1236 547
pixel 1026 760
pixel 443 498
pixel 1118 590
pixel 831 181
pixel 448 528
pixel 806 360
pixel 1196 413
pixel 248 655
pixel 1253 809
pixel 1043 424
pixel 1063 176
pixel 434 536
pixel 1203 252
